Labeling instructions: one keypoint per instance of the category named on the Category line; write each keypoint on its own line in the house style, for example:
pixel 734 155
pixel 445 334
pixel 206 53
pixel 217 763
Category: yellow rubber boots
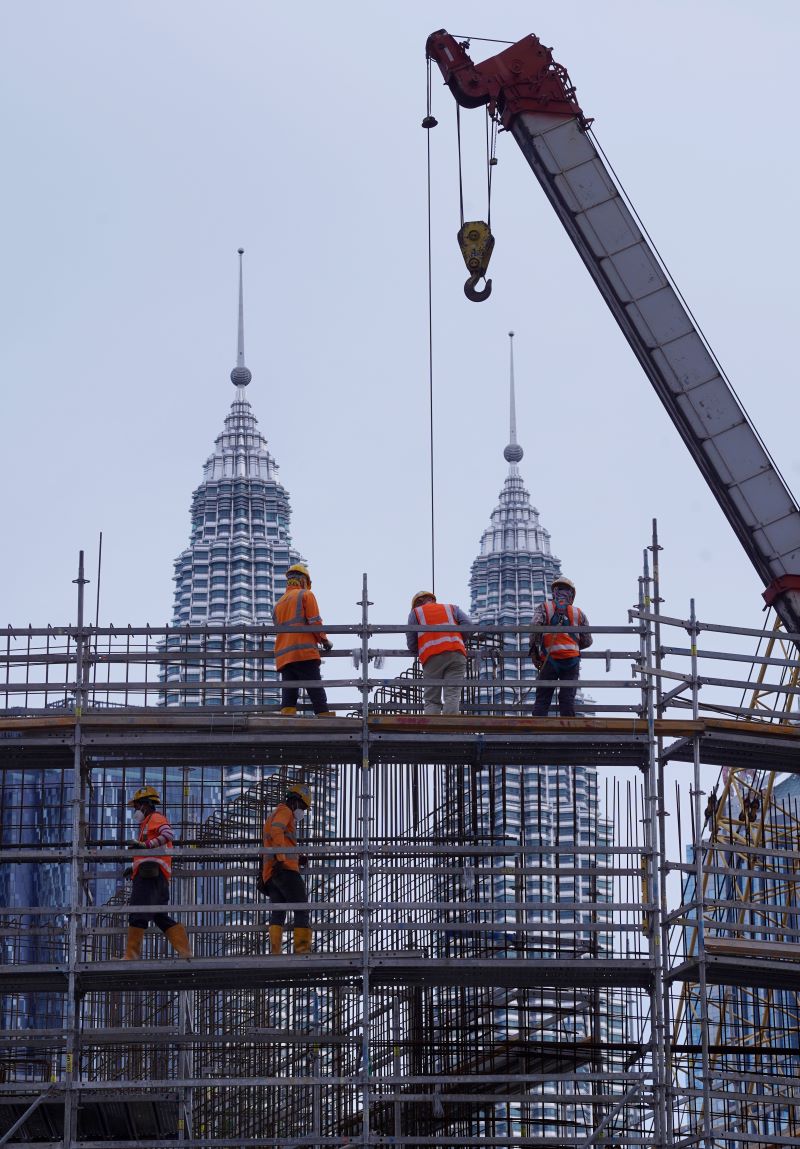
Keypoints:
pixel 133 948
pixel 177 937
pixel 275 939
pixel 302 940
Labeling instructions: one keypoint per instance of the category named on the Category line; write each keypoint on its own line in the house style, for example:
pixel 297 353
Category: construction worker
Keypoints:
pixel 280 872
pixel 443 654
pixel 151 870
pixel 297 654
pixel 558 655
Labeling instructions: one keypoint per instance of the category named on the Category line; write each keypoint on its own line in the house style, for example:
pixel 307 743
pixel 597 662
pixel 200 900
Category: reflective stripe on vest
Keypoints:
pixel 148 830
pixel 563 644
pixel 293 644
pixel 274 843
pixel 441 641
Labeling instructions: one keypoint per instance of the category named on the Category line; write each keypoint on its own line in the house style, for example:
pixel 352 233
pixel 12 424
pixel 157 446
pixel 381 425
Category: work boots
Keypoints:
pixel 178 939
pixel 133 948
pixel 302 939
pixel 275 940
pixel 289 711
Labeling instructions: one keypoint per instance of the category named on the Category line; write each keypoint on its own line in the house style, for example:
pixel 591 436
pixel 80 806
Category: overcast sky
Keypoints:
pixel 144 142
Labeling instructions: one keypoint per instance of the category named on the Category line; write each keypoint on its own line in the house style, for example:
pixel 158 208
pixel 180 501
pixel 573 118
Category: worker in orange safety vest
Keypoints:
pixel 443 654
pixel 297 654
pixel 280 873
pixel 151 872
pixel 558 655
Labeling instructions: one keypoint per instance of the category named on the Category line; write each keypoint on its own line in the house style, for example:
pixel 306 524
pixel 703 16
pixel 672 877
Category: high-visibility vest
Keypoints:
pixel 151 828
pixel 437 614
pixel 300 607
pixel 563 644
pixel 280 829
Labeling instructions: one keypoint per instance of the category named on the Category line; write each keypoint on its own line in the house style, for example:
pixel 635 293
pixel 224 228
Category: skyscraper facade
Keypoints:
pixel 540 813
pixel 510 577
pixel 233 570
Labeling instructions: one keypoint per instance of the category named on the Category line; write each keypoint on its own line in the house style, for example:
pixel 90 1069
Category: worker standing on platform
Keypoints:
pixel 297 654
pixel 152 870
pixel 280 873
pixel 443 654
pixel 558 655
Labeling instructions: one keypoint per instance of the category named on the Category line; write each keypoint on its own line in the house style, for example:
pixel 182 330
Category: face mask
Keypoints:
pixel 562 599
pixel 138 816
pixel 299 815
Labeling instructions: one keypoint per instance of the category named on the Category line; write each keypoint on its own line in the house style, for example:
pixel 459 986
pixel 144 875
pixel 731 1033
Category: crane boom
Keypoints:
pixel 535 101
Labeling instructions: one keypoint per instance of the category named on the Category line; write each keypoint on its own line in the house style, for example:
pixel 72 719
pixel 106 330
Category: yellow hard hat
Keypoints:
pixel 298 569
pixel 422 594
pixel 147 793
pixel 302 791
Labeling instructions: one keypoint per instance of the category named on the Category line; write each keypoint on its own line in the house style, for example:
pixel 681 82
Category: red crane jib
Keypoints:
pixel 522 78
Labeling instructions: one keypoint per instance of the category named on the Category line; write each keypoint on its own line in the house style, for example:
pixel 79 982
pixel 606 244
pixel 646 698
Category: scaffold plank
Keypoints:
pixel 310 970
pixel 158 735
pixel 742 745
pixel 766 973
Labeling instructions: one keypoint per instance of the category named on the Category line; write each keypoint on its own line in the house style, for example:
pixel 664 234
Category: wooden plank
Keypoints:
pixel 746 947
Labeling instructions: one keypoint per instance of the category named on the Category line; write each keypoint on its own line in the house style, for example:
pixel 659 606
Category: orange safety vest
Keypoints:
pixel 300 607
pixel 280 829
pixel 437 614
pixel 563 644
pixel 150 828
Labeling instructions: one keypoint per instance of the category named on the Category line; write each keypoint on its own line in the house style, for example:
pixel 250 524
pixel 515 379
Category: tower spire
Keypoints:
pixel 241 375
pixel 513 452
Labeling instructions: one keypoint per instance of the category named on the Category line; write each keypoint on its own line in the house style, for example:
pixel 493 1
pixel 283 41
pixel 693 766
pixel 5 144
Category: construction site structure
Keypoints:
pixel 660 1010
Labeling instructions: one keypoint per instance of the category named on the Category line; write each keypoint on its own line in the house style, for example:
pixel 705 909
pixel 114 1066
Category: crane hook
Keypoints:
pixel 471 293
pixel 476 242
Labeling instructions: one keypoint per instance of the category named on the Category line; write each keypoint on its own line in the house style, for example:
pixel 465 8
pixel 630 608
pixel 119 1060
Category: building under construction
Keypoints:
pixel 658 1008
pixel 527 931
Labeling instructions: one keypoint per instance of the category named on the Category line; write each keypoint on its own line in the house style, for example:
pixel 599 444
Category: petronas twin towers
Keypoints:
pixel 234 568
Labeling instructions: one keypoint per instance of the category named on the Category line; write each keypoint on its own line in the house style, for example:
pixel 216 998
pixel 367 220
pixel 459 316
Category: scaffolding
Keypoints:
pixel 471 980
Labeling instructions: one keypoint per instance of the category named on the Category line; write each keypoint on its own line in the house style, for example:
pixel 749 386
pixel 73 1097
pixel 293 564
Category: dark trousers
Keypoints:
pixel 565 670
pixel 286 886
pixel 298 672
pixel 150 892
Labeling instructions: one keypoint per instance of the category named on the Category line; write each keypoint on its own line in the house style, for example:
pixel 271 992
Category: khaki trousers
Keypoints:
pixel 450 664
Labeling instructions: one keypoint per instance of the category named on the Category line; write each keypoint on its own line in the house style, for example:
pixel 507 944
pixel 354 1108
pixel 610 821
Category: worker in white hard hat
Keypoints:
pixel 558 655
pixel 281 879
pixel 151 872
pixel 443 654
pixel 297 654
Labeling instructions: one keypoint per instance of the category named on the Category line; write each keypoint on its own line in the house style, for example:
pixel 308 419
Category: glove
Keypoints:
pixel 303 859
pixel 127 872
pixel 326 644
pixel 134 844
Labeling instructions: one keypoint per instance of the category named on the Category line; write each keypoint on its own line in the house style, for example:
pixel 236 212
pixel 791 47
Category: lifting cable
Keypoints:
pixel 428 123
pixel 491 161
pixel 491 146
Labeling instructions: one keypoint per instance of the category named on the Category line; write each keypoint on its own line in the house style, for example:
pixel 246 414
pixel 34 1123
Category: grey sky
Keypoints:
pixel 144 142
